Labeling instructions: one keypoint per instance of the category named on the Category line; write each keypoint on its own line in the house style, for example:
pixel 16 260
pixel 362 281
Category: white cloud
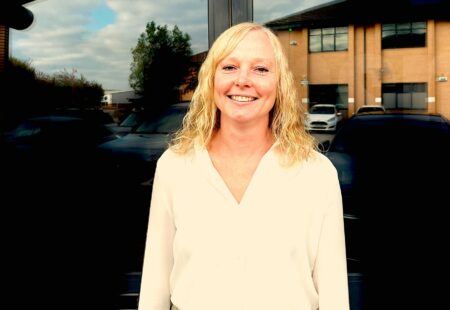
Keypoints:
pixel 267 10
pixel 62 36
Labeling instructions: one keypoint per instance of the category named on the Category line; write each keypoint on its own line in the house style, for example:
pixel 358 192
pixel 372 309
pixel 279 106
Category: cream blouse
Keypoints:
pixel 281 248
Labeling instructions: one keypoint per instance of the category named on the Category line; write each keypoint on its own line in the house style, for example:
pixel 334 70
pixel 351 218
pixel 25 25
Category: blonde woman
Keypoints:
pixel 245 214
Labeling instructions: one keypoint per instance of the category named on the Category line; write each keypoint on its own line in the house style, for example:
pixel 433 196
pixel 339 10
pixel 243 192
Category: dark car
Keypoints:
pixel 131 122
pixel 52 157
pixel 370 108
pixel 94 115
pixel 134 155
pixel 131 162
pixel 52 138
pixel 393 170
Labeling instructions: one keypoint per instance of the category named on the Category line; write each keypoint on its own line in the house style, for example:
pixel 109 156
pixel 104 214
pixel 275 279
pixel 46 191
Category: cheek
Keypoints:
pixel 221 83
pixel 218 92
pixel 269 88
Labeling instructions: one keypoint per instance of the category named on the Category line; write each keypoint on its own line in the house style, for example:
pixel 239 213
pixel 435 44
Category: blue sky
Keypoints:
pixel 101 16
pixel 95 37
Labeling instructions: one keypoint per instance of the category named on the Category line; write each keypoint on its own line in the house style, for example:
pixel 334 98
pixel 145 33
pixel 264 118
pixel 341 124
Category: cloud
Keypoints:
pixel 267 10
pixel 64 34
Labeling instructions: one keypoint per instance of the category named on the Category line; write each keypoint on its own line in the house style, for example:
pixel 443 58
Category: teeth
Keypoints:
pixel 242 98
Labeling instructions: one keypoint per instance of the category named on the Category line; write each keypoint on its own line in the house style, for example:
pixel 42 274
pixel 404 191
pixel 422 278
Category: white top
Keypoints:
pixel 282 247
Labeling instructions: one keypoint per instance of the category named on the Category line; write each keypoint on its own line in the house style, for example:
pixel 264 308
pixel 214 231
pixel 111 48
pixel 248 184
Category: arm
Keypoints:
pixel 330 269
pixel 158 260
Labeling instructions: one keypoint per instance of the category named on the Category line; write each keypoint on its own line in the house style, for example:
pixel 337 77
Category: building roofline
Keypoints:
pixel 344 12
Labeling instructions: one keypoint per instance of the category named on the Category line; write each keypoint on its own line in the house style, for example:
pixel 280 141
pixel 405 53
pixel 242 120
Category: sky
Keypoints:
pixel 94 38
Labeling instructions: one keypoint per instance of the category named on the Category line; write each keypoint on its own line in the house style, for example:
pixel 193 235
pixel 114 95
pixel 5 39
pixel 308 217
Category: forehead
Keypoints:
pixel 254 45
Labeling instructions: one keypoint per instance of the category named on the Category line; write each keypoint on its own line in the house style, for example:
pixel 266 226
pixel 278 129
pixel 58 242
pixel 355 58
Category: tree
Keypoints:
pixel 33 92
pixel 161 62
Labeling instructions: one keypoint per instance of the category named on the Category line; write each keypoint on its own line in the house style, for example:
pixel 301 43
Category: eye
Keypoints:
pixel 228 68
pixel 261 70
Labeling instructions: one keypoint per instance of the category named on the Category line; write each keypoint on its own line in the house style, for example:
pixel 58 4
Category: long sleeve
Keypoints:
pixel 158 260
pixel 330 271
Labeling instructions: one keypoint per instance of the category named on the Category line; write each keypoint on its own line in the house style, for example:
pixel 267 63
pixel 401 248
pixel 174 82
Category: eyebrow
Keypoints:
pixel 265 60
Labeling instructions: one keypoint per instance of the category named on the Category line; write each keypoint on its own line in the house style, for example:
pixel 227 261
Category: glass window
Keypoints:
pixel 315 44
pixel 334 94
pixel 404 35
pixel 405 96
pixel 328 39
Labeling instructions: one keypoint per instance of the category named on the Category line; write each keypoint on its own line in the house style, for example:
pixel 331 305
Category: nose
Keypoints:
pixel 243 78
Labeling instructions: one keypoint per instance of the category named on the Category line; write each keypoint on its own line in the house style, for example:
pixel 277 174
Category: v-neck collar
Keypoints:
pixel 219 183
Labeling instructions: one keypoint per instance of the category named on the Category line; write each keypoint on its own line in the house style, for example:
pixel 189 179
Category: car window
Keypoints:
pixel 322 110
pixel 168 123
pixel 132 119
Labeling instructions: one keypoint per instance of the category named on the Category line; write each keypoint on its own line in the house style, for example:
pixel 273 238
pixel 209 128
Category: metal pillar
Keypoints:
pixel 223 14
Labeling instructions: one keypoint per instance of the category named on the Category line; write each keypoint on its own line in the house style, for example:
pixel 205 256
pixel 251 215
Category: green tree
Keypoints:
pixel 161 63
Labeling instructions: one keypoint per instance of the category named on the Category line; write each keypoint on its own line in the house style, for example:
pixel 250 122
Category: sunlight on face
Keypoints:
pixel 245 81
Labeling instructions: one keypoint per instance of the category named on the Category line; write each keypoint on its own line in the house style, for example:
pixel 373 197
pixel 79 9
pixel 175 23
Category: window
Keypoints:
pixel 333 93
pixel 328 39
pixel 404 35
pixel 408 96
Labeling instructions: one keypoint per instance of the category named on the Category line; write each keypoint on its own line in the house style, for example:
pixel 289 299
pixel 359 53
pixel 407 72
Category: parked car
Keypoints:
pixel 393 170
pixel 323 117
pixel 131 122
pixel 52 155
pixel 131 162
pixel 370 108
pixel 89 114
pixel 134 156
pixel 51 138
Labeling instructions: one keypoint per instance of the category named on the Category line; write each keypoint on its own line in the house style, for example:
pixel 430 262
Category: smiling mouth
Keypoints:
pixel 242 98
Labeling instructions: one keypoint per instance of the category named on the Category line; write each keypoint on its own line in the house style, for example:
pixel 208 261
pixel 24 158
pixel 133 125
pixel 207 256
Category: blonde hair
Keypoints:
pixel 287 115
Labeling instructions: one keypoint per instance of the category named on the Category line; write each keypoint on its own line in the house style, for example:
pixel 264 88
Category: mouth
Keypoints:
pixel 243 99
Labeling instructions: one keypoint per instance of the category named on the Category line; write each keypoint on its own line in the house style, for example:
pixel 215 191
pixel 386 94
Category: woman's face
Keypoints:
pixel 245 81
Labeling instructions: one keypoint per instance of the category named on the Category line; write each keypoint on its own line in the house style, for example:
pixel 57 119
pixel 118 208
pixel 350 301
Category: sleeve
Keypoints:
pixel 330 269
pixel 158 258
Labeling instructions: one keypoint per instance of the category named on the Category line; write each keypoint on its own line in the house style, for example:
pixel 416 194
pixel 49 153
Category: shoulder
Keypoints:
pixel 170 159
pixel 317 169
pixel 320 162
pixel 315 163
pixel 171 163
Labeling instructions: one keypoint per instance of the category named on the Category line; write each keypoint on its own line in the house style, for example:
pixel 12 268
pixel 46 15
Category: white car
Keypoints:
pixel 323 117
pixel 370 108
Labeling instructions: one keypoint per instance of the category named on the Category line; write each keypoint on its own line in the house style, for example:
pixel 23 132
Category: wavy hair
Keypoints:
pixel 287 116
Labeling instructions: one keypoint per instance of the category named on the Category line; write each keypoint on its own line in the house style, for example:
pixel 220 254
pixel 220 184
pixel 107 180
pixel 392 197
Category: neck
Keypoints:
pixel 243 140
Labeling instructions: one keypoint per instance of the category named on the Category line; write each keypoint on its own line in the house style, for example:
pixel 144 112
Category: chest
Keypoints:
pixel 275 216
pixel 236 174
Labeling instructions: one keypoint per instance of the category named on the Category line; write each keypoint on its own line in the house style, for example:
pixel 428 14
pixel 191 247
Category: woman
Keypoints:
pixel 245 214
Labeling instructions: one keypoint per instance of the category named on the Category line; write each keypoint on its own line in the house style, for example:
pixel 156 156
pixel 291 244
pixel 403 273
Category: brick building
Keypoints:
pixel 352 53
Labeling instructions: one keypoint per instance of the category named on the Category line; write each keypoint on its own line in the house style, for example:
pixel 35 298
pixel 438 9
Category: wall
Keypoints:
pixel 366 66
pixel 4 46
pixel 443 67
